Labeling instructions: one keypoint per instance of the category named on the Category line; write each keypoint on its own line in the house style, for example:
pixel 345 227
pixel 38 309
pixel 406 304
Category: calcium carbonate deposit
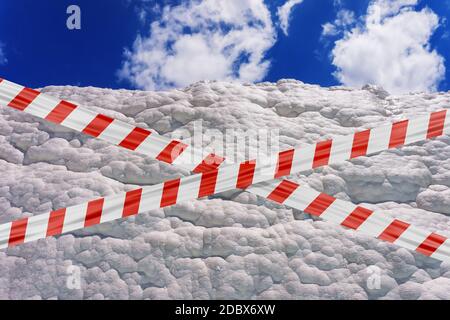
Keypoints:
pixel 233 245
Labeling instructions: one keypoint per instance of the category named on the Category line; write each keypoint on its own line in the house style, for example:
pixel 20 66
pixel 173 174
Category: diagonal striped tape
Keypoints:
pixel 349 215
pixel 338 149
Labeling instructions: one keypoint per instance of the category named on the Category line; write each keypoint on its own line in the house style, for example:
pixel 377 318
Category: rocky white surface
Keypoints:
pixel 234 245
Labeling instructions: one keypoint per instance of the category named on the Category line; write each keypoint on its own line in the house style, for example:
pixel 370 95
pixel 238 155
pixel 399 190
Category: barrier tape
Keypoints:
pixel 344 213
pixel 213 179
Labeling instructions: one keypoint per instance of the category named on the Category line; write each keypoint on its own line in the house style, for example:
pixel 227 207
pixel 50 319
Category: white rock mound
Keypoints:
pixel 235 245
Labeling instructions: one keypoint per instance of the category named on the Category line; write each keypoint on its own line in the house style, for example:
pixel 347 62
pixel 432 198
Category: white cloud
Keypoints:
pixel 380 9
pixel 284 13
pixel 344 19
pixel 329 29
pixel 391 48
pixel 202 40
pixel 3 59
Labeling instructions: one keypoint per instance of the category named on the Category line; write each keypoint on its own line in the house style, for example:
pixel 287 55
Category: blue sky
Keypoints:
pixel 403 45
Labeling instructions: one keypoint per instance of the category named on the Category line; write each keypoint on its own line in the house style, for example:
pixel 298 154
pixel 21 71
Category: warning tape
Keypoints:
pixel 175 152
pixel 215 179
pixel 344 213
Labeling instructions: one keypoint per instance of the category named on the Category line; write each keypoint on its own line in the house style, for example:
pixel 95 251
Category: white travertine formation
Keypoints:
pixel 234 245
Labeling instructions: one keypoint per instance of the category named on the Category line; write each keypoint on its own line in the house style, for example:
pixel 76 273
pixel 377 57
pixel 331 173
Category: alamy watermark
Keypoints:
pixel 235 145
pixel 373 281
pixel 73 22
pixel 73 280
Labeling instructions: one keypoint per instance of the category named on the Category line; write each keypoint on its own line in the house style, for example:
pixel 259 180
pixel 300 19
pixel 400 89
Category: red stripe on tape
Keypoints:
pixel 94 212
pixel 360 144
pixel 61 112
pixel 56 222
pixel 393 231
pixel 98 125
pixel 135 138
pixel 211 162
pixel 246 173
pixel 356 218
pixel 398 134
pixel 283 191
pixel 132 201
pixel 322 153
pixel 430 244
pixel 436 124
pixel 23 99
pixel 17 233
pixel 320 204
pixel 171 151
pixel 284 165
pixel 208 183
pixel 170 193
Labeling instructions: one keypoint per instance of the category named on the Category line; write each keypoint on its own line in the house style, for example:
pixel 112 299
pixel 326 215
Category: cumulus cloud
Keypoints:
pixel 344 19
pixel 3 59
pixel 199 40
pixel 284 13
pixel 391 48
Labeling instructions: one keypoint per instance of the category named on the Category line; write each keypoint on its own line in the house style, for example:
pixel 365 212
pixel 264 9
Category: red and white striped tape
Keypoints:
pixel 175 152
pixel 91 123
pixel 349 215
pixel 208 183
